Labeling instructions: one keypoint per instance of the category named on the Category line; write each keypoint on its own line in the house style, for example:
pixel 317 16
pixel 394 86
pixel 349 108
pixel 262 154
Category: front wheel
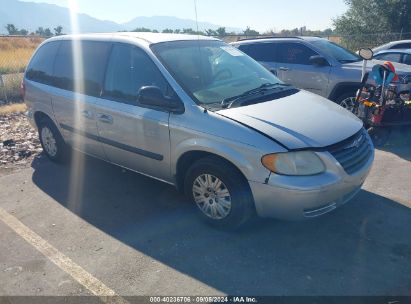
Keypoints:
pixel 347 101
pixel 220 192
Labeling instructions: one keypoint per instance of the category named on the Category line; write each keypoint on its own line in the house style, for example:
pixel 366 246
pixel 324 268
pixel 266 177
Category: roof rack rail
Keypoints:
pixel 270 37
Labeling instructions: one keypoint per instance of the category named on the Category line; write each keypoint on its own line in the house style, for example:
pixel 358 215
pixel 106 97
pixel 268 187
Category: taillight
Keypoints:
pixel 23 90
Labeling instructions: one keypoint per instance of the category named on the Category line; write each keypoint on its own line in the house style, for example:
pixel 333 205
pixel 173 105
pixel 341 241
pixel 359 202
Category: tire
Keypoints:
pixel 231 205
pixel 52 142
pixel 347 101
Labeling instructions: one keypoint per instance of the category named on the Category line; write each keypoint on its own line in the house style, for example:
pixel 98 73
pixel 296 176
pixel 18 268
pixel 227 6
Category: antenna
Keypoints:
pixel 195 9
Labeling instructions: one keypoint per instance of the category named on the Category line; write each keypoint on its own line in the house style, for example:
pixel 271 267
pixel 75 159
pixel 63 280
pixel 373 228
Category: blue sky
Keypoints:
pixel 258 14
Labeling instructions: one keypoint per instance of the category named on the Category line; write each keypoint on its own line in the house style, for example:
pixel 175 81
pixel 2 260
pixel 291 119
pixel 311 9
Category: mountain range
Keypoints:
pixel 30 16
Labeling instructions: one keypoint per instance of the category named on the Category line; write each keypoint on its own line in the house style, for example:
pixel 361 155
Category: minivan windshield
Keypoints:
pixel 213 72
pixel 339 53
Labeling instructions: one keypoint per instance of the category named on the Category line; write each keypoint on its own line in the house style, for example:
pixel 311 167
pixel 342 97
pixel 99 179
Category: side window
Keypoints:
pixel 41 67
pixel 390 57
pixel 407 59
pixel 128 70
pixel 260 51
pixel 294 53
pixel 406 45
pixel 92 60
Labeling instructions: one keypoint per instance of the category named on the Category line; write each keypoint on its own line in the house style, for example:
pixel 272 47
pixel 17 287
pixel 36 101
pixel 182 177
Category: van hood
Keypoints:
pixel 301 120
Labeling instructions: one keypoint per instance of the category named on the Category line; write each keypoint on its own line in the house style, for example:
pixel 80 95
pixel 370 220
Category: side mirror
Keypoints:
pixel 153 97
pixel 318 60
pixel 366 53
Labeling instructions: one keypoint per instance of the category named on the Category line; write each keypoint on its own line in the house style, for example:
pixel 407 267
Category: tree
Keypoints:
pixel 142 29
pixel 47 33
pixel 371 19
pixel 191 31
pixel 221 32
pixel 211 32
pixel 40 31
pixel 11 29
pixel 58 30
pixel 250 32
pixel 44 32
pixel 167 31
pixel 188 31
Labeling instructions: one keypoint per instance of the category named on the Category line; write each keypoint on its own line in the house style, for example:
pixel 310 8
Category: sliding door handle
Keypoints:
pixel 105 118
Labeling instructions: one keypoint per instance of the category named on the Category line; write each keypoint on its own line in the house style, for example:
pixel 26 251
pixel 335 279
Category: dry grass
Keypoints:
pixel 15 53
pixel 14 61
pixel 11 43
pixel 10 92
pixel 13 108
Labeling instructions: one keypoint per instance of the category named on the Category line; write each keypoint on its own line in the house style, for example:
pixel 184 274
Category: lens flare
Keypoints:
pixel 77 161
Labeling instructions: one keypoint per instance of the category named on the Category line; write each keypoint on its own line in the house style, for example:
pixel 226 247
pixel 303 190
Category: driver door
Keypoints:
pixel 133 136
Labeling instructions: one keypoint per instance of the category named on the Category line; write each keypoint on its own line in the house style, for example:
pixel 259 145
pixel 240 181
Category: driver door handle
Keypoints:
pixel 105 118
pixel 87 114
pixel 284 69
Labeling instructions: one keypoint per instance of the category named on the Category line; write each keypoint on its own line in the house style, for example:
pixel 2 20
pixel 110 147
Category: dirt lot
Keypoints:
pixel 130 235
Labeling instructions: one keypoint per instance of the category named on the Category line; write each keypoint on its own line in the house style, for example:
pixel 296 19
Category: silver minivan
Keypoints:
pixel 201 115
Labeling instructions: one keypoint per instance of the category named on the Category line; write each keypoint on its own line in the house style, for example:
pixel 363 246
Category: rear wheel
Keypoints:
pixel 52 142
pixel 220 192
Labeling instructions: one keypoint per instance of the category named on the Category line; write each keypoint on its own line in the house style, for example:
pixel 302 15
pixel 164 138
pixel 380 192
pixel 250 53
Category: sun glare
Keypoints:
pixel 77 164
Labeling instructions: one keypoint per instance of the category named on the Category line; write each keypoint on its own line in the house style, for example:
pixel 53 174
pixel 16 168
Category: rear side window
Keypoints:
pixel 40 68
pixel 260 51
pixel 91 62
pixel 407 59
pixel 406 45
pixel 128 70
pixel 294 53
pixel 390 57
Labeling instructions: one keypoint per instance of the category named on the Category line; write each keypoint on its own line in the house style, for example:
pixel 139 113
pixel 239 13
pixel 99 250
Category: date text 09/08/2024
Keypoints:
pixel 201 299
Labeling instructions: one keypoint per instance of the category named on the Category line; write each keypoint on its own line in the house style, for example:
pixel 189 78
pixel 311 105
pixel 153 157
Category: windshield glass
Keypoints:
pixel 212 71
pixel 341 54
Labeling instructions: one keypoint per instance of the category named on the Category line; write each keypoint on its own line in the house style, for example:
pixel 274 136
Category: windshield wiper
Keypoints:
pixel 228 102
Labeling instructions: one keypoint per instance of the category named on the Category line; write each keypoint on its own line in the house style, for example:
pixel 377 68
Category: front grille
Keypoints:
pixel 352 153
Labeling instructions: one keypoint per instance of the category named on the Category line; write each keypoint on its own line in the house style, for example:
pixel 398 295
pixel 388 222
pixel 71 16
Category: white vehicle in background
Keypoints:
pixel 393 45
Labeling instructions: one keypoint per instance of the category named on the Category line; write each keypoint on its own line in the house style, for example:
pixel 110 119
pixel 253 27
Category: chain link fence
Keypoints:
pixel 16 51
pixel 351 42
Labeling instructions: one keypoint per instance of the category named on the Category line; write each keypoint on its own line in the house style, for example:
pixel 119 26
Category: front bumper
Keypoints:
pixel 297 198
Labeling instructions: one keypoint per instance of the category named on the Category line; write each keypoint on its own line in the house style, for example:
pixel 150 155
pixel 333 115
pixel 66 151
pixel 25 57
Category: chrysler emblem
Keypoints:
pixel 356 143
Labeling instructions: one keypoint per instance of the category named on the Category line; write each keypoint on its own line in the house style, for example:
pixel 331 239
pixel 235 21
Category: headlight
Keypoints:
pixel 294 163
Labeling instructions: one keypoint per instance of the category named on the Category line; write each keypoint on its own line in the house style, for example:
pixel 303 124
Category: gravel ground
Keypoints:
pixel 19 143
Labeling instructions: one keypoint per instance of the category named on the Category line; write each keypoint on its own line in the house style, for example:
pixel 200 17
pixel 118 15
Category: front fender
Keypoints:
pixel 246 158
